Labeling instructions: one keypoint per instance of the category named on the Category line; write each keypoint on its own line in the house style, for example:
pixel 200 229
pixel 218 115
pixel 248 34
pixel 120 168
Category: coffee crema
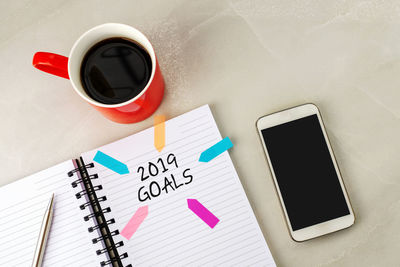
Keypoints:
pixel 115 70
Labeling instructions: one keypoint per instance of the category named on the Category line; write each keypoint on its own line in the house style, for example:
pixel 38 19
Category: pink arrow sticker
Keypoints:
pixel 135 222
pixel 203 213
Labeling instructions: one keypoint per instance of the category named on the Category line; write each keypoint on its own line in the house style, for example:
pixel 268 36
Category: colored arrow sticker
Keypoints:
pixel 135 222
pixel 159 132
pixel 203 213
pixel 215 150
pixel 110 163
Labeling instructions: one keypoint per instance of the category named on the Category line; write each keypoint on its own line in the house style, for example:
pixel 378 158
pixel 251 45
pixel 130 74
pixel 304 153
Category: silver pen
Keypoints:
pixel 43 234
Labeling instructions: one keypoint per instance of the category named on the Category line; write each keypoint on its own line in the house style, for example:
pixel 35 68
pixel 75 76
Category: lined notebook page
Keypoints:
pixel 22 206
pixel 172 234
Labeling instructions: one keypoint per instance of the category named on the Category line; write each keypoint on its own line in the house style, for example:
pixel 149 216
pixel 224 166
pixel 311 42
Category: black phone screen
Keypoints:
pixel 305 172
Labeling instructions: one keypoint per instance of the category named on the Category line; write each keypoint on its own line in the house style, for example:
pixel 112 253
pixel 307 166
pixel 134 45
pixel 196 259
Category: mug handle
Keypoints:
pixel 51 63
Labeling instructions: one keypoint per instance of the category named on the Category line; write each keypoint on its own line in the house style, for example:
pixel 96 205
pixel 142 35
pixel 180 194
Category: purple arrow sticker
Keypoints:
pixel 202 212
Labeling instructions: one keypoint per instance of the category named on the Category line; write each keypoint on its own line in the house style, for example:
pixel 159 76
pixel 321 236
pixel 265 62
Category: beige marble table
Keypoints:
pixel 245 58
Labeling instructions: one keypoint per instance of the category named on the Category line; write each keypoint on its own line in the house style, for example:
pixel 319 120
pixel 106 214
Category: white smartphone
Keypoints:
pixel 305 173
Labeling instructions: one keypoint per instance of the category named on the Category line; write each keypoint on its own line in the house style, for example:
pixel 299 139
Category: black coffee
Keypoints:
pixel 115 70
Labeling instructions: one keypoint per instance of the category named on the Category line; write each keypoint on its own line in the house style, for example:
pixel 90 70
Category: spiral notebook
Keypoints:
pixel 93 205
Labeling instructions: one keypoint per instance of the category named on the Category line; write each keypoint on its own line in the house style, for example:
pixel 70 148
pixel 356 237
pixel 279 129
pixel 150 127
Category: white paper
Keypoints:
pixel 172 234
pixel 23 204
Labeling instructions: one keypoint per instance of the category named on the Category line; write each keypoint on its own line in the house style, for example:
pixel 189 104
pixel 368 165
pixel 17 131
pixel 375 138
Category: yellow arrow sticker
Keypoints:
pixel 159 132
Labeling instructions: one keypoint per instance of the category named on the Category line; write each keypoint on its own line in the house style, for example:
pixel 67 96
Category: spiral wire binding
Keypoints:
pixel 102 226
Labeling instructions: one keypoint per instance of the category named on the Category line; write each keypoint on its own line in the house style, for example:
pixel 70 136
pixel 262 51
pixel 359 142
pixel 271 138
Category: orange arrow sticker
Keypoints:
pixel 159 132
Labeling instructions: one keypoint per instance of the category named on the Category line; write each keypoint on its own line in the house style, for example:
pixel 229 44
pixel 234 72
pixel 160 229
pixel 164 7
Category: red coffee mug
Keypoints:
pixel 133 110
